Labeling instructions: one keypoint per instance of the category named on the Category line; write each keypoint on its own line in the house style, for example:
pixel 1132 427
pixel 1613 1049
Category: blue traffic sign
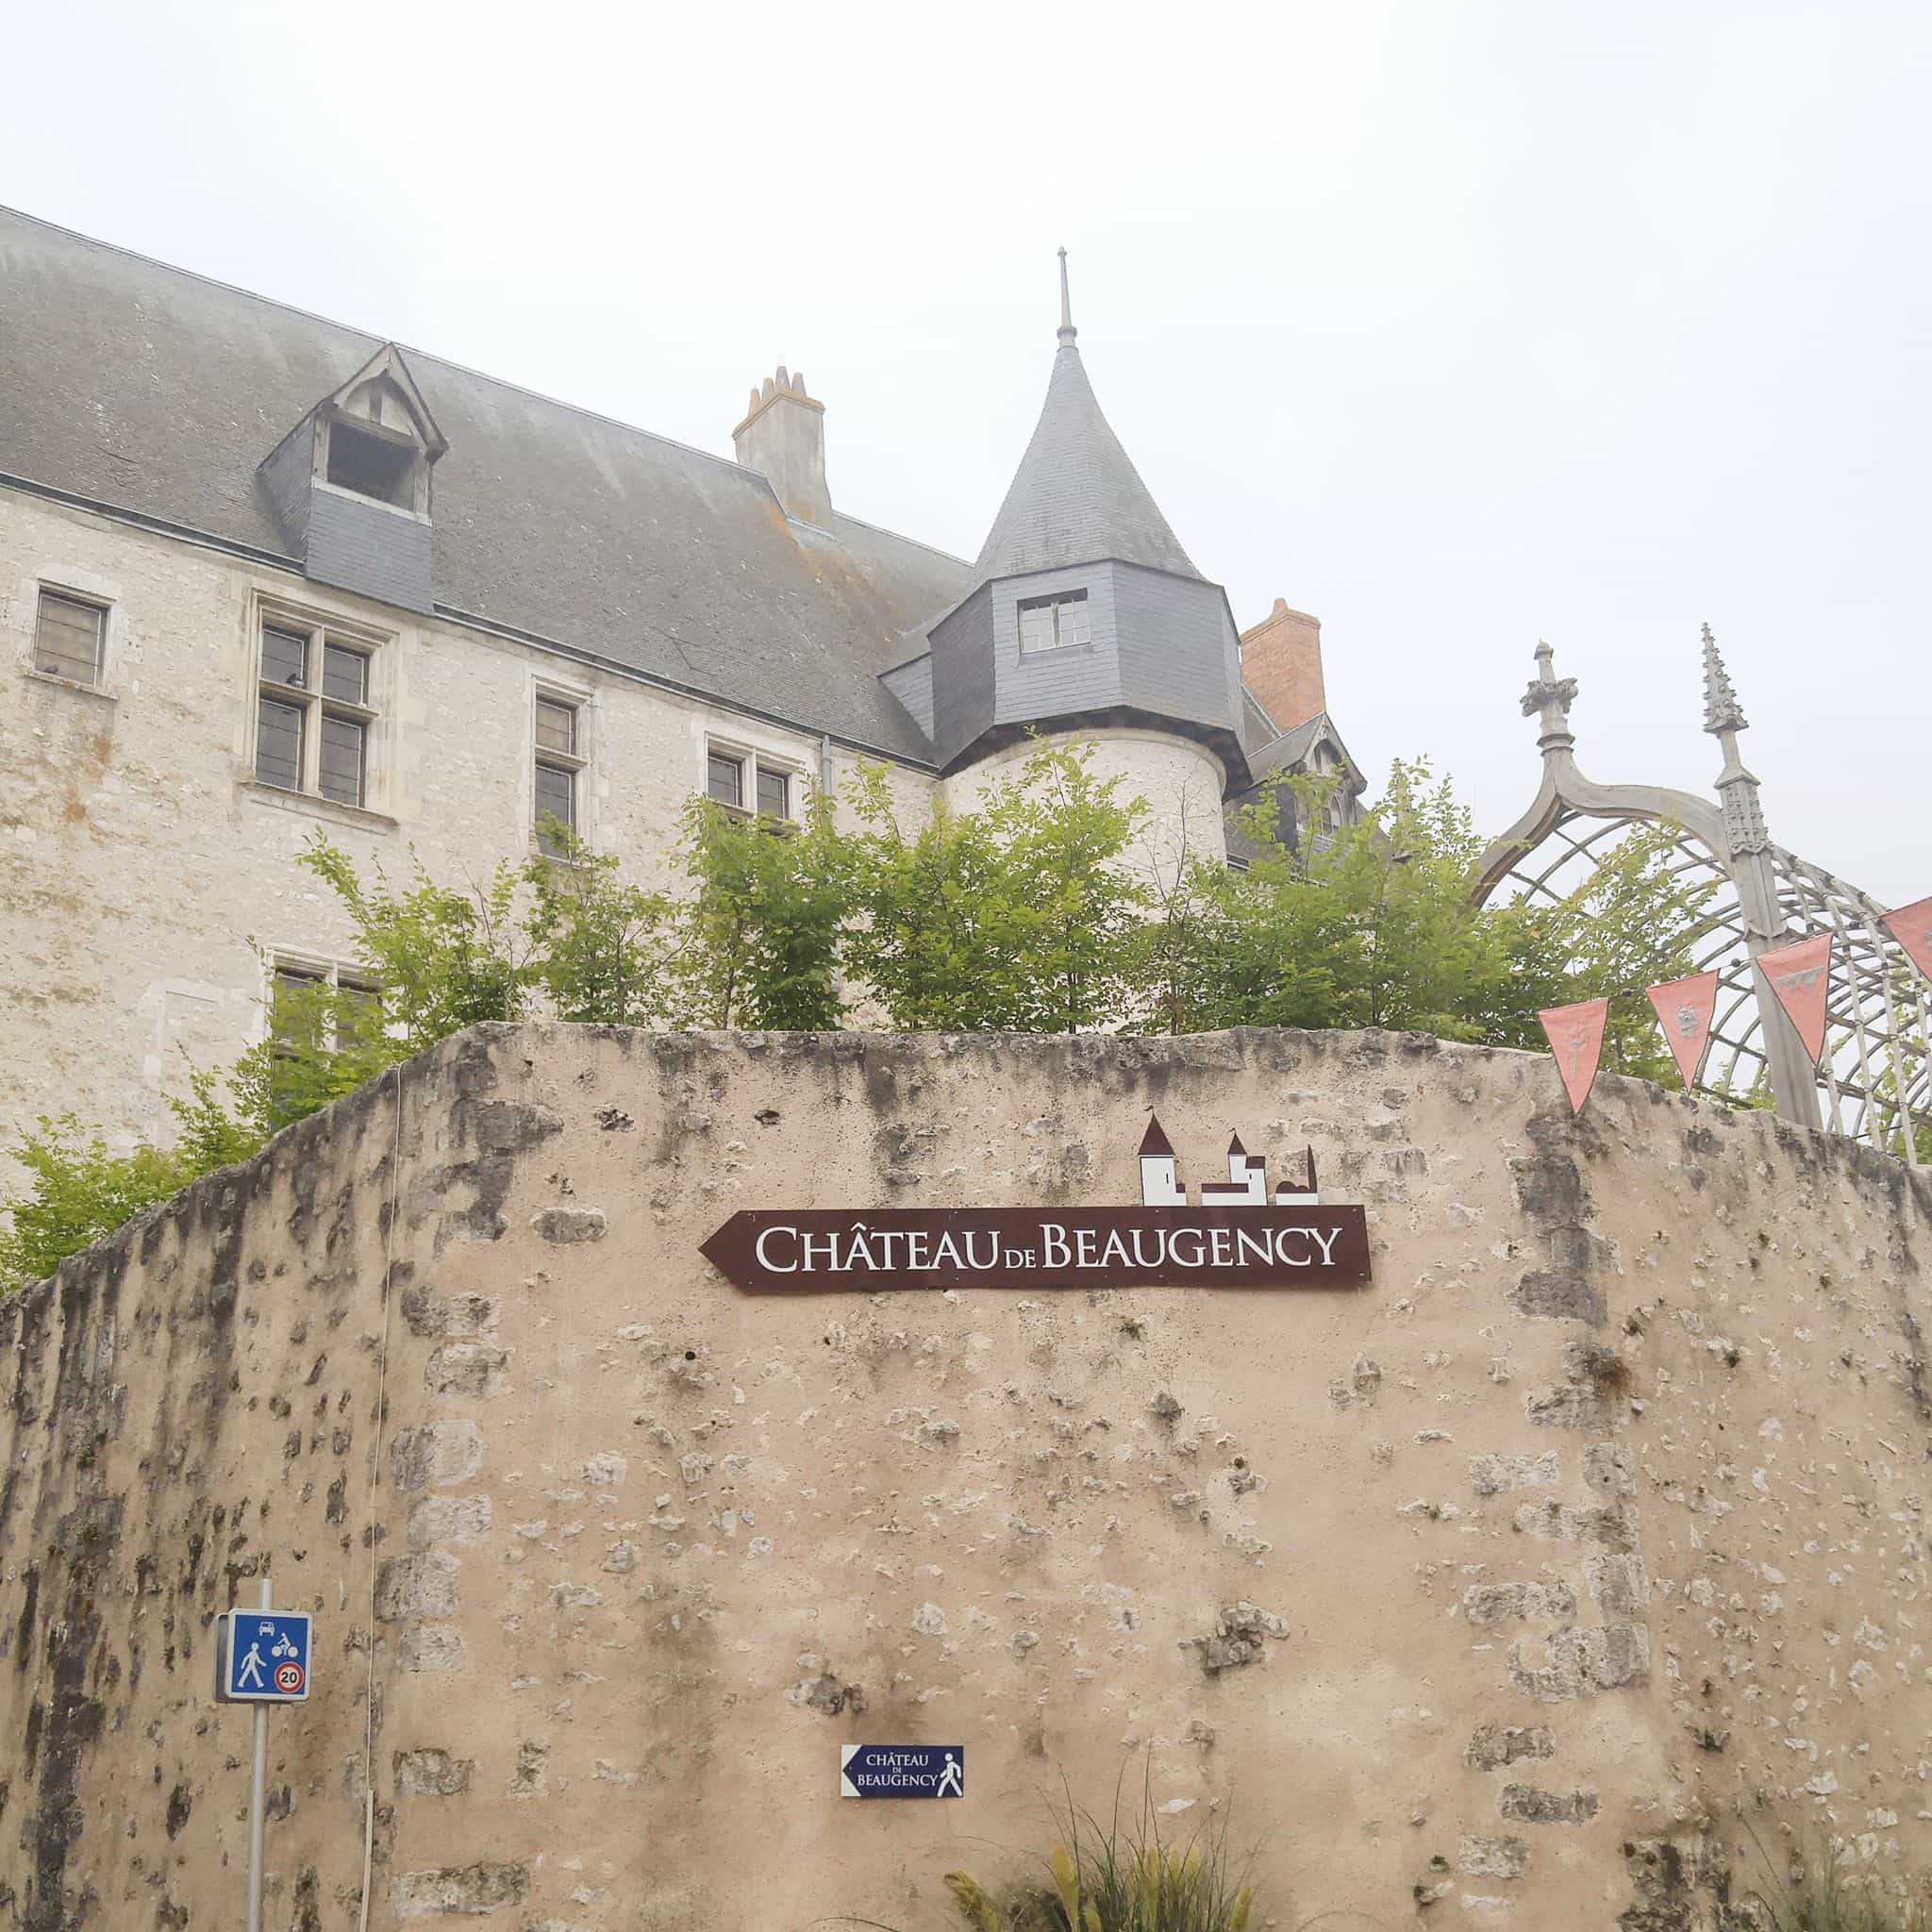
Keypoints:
pixel 902 1771
pixel 264 1657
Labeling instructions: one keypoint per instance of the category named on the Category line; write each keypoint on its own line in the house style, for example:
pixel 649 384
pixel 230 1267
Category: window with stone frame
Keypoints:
pixel 1052 623
pixel 559 755
pixel 312 1004
pixel 749 784
pixel 70 638
pixel 314 720
pixel 316 1007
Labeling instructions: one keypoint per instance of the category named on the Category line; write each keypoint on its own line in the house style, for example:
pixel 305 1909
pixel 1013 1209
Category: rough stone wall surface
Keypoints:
pixel 1180 783
pixel 1511 1586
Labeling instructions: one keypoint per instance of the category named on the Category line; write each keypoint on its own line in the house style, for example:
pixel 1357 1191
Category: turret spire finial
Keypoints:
pixel 1721 711
pixel 1068 332
pixel 1548 700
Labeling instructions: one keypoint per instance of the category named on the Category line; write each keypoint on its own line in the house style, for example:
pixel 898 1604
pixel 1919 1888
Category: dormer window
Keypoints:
pixel 372 462
pixel 1047 624
pixel 350 485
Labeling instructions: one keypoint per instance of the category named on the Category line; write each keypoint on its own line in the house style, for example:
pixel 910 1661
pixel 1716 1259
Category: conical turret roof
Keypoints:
pixel 1076 495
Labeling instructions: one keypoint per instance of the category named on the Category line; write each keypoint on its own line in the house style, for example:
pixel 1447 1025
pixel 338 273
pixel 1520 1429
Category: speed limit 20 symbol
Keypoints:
pixel 289 1678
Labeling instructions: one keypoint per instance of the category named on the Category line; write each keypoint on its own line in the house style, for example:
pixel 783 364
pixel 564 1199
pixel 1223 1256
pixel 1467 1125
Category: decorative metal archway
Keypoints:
pixel 1874 1080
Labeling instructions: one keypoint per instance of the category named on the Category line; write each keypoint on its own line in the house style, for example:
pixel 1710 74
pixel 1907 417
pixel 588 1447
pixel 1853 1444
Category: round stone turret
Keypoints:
pixel 1088 617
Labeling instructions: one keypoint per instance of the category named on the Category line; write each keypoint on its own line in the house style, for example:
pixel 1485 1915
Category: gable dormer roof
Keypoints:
pixel 350 484
pixel 388 370
pixel 1076 495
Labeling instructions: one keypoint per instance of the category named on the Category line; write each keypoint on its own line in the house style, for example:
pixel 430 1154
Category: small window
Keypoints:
pixel 295 1005
pixel 343 743
pixel 321 1006
pixel 68 637
pixel 557 726
pixel 560 764
pixel 344 674
pixel 358 1010
pixel 313 740
pixel 747 784
pixel 278 744
pixel 378 466
pixel 285 658
pixel 1049 624
pixel 724 779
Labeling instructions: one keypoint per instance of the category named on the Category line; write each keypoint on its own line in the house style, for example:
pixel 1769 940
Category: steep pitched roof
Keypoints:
pixel 1076 495
pixel 148 389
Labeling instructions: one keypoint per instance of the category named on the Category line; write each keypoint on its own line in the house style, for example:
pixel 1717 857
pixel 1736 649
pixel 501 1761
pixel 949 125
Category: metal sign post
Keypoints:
pixel 258 1783
pixel 262 1657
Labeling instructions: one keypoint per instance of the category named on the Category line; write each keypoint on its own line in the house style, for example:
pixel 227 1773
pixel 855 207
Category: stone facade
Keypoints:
pixel 1513 1587
pixel 240 465
pixel 141 866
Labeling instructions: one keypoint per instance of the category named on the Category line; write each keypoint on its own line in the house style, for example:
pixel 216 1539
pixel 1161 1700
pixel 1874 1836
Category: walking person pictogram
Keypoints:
pixel 950 1781
pixel 251 1664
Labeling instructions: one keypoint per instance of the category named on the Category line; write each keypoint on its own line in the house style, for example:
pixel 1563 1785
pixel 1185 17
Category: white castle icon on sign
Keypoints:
pixel 1246 1185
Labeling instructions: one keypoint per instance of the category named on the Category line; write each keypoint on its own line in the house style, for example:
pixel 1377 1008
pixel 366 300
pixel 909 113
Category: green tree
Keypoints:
pixel 1021 914
pixel 77 1192
pixel 758 936
pixel 444 958
pixel 1370 925
pixel 1634 923
pixel 1254 946
pixel 601 949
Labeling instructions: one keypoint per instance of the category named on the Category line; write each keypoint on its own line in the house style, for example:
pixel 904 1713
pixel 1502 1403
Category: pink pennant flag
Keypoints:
pixel 1912 926
pixel 1576 1038
pixel 1800 976
pixel 1687 1009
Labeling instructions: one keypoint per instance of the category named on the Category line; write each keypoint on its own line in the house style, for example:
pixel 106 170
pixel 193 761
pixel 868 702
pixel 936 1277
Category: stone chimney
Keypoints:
pixel 783 436
pixel 1281 663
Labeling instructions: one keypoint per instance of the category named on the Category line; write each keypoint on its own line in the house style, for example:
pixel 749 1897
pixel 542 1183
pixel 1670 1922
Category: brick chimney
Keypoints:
pixel 783 436
pixel 1281 663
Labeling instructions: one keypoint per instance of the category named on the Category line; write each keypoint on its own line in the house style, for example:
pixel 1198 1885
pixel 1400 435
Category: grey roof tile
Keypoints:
pixel 149 388
pixel 1076 495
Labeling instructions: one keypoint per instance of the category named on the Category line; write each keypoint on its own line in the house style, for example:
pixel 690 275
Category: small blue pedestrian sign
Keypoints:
pixel 902 1771
pixel 264 1657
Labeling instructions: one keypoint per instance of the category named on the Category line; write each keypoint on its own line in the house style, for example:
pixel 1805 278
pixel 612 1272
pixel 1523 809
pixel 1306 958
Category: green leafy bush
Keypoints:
pixel 79 1191
pixel 1120 1875
pixel 1823 1895
pixel 1028 912
pixel 1021 915
pixel 755 943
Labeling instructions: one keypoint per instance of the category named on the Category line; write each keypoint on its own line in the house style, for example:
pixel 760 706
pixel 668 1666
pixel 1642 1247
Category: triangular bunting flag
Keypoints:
pixel 1576 1038
pixel 1912 926
pixel 1686 1010
pixel 1800 976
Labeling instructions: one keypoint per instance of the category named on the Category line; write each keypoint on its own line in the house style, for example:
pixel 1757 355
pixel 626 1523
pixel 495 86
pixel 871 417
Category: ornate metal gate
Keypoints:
pixel 1873 1081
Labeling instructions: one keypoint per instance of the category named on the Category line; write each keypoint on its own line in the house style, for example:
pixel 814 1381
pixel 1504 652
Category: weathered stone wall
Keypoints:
pixel 1515 1583
pixel 139 861
pixel 1179 782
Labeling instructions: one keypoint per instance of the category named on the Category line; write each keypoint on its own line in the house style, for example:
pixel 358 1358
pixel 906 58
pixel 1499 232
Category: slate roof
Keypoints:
pixel 151 390
pixel 1076 495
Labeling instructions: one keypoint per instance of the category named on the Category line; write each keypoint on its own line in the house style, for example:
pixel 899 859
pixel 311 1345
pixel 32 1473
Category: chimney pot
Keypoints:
pixel 1281 663
pixel 783 436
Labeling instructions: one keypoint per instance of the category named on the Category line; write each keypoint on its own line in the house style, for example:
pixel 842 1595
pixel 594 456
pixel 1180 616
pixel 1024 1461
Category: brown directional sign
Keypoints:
pixel 824 1250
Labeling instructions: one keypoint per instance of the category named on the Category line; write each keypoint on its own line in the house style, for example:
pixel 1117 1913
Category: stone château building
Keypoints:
pixel 262 576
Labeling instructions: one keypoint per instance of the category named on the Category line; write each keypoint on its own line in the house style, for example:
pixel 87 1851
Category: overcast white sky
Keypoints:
pixel 1456 324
